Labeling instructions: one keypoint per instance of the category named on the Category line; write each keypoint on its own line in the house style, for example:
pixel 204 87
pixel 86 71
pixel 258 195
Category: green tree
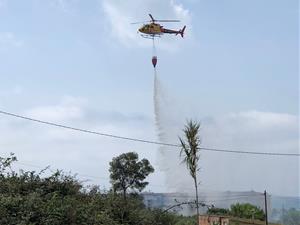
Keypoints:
pixel 126 172
pixel 240 210
pixel 190 147
pixel 247 211
pixel 218 211
pixel 5 163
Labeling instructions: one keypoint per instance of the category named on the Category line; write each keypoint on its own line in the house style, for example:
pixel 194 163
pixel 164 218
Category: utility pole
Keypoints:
pixel 282 213
pixel 266 207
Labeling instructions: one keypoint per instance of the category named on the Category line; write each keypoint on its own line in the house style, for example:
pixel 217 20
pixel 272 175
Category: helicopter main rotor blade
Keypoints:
pixel 152 19
pixel 167 20
pixel 141 22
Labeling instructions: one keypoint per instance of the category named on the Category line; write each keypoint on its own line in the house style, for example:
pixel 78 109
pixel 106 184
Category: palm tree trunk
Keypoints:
pixel 197 200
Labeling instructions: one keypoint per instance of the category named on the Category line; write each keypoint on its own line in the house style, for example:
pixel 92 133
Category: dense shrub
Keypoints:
pixel 31 198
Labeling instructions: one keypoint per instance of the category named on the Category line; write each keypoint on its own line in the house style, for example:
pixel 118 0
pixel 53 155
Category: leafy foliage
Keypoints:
pixel 27 198
pixel 247 211
pixel 32 198
pixel 127 172
pixel 244 210
pixel 218 211
pixel 190 146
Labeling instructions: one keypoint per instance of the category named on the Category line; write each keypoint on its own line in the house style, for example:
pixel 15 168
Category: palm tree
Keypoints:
pixel 190 147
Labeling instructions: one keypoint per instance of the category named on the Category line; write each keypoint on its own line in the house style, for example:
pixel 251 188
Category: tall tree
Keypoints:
pixel 190 147
pixel 126 172
pixel 246 210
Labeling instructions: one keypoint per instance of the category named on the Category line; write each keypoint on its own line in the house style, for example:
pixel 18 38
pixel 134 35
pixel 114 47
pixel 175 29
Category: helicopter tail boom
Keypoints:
pixel 181 31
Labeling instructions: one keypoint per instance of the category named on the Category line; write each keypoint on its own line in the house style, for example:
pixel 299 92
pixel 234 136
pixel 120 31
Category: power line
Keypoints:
pixel 49 168
pixel 87 131
pixel 250 152
pixel 184 195
pixel 228 199
pixel 213 198
pixel 75 174
pixel 221 198
pixel 231 196
pixel 144 140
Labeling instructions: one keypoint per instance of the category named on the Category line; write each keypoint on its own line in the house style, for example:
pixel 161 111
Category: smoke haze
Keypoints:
pixel 245 131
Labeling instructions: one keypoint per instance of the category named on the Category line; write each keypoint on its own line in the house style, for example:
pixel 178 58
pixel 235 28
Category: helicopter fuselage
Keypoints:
pixel 155 29
pixel 151 29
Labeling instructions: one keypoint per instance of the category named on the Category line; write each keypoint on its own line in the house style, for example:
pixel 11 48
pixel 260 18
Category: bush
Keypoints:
pixel 29 198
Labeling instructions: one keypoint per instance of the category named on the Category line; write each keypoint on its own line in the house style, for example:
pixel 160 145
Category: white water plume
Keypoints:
pixel 169 124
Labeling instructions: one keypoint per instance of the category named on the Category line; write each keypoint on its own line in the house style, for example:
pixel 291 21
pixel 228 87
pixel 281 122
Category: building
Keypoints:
pixel 227 220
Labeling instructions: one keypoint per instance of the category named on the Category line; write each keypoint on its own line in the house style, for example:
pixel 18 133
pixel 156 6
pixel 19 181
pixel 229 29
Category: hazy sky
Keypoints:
pixel 81 63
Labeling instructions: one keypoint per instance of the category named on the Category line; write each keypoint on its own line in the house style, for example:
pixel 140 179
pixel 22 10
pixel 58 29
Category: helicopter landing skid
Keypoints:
pixel 150 36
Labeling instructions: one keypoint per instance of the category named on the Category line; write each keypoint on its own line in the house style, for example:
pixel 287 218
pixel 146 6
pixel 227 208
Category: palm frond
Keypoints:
pixel 190 146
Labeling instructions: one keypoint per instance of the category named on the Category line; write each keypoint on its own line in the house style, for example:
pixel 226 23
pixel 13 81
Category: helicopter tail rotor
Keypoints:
pixel 182 31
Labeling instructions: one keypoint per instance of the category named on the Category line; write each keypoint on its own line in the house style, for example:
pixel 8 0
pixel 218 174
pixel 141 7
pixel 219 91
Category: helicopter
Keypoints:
pixel 153 29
